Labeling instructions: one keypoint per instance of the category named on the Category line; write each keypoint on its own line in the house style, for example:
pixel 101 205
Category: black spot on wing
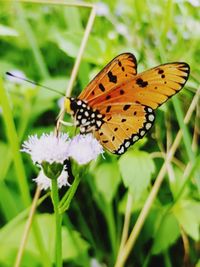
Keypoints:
pixel 101 87
pixel 126 107
pixel 160 71
pixel 141 83
pixel 112 78
pixel 108 97
pixel 108 108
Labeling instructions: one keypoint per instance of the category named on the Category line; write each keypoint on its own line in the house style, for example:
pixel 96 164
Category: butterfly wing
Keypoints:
pixel 122 129
pixel 127 99
pixel 119 70
pixel 150 88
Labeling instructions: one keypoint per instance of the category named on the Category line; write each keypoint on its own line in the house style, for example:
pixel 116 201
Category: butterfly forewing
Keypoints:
pixel 118 71
pixel 155 86
pixel 151 88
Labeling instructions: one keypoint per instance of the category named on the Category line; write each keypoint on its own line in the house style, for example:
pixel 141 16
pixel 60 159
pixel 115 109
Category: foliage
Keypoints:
pixel 42 41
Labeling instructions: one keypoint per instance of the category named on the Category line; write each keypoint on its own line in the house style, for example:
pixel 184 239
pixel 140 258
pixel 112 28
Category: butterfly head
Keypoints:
pixel 70 105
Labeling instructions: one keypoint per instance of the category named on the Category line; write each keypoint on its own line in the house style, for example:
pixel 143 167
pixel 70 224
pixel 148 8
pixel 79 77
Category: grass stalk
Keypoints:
pixel 186 136
pixel 27 228
pixel 126 224
pixel 147 206
pixel 59 2
pixel 81 51
pixel 79 57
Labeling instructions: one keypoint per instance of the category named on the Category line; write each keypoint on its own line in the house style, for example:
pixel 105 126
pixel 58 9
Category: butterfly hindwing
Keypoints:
pixel 121 130
pixel 119 70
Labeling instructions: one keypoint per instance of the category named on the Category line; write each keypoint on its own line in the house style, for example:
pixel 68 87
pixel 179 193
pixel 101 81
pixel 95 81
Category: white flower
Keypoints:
pixel 44 182
pixel 102 9
pixel 17 73
pixel 195 3
pixel 60 102
pixel 48 148
pixel 84 148
pixel 122 29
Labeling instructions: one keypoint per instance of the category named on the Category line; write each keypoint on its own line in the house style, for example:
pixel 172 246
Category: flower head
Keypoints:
pixel 44 182
pixel 102 9
pixel 51 153
pixel 84 148
pixel 48 148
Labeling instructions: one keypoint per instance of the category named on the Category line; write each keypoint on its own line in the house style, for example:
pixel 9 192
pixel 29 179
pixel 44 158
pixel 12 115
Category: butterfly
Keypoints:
pixel 118 105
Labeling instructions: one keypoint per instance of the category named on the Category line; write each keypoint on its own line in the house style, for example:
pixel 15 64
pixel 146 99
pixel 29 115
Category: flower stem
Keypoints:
pixel 58 222
pixel 66 200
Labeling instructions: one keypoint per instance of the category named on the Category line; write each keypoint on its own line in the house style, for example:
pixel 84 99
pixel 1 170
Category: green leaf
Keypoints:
pixel 136 168
pixel 198 264
pixel 70 43
pixel 187 213
pixel 166 235
pixel 107 179
pixel 73 245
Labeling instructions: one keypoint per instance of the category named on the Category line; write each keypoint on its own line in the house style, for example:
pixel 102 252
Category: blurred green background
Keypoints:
pixel 41 41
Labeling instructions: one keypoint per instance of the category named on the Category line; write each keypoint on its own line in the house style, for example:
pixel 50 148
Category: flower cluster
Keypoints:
pixel 50 152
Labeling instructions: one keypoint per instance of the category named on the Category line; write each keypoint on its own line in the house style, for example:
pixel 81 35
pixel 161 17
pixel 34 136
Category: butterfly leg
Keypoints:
pixel 66 123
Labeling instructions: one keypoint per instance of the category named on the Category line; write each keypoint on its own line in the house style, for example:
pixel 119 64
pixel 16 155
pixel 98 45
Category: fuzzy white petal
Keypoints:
pixel 84 148
pixel 48 147
pixel 102 9
pixel 44 182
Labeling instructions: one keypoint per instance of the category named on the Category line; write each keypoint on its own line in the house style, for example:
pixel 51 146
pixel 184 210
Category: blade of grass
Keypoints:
pixel 186 136
pixel 14 145
pixel 24 24
pixel 18 163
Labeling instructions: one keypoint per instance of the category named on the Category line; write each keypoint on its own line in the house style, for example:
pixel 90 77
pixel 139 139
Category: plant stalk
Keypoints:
pixel 58 223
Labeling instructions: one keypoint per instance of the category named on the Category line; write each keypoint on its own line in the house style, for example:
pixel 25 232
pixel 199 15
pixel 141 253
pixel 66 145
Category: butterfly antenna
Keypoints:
pixel 35 83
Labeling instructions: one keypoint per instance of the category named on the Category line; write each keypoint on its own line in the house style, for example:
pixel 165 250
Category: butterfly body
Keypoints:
pixel 118 104
pixel 87 118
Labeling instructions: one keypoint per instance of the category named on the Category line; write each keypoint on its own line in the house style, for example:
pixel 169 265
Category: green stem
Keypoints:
pixel 111 228
pixel 66 200
pixel 58 221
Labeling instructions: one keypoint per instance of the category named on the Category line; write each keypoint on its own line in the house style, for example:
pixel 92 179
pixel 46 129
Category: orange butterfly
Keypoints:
pixel 118 105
